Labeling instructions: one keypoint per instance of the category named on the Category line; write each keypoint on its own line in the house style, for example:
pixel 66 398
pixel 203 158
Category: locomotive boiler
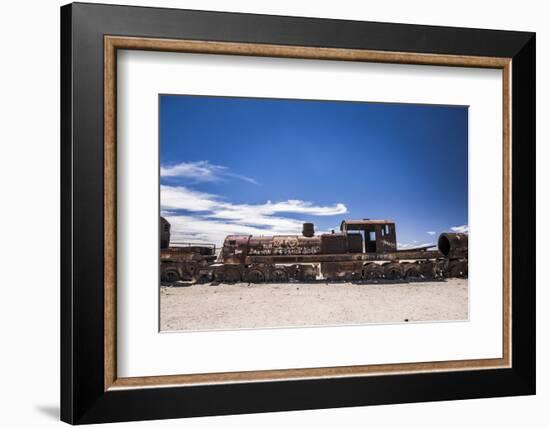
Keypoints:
pixel 361 250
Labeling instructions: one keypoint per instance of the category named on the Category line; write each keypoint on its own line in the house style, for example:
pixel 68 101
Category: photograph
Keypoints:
pixel 294 213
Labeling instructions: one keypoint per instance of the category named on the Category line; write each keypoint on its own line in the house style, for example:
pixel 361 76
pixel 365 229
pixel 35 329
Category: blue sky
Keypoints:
pixel 264 166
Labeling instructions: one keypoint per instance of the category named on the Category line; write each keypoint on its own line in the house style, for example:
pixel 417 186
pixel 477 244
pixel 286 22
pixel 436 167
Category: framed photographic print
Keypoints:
pixel 265 213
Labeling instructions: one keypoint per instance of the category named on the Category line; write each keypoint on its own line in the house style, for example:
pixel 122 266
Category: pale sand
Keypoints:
pixel 243 305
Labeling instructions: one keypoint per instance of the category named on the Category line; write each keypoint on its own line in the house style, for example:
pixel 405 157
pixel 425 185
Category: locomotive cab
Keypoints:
pixel 370 236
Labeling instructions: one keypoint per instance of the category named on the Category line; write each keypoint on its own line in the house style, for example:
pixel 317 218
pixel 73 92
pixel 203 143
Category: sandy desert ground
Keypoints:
pixel 243 305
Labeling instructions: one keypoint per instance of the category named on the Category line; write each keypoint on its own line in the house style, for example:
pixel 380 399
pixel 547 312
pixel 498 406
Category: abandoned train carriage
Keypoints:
pixel 362 249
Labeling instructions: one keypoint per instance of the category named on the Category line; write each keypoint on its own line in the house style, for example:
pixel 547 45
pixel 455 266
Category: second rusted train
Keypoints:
pixel 362 250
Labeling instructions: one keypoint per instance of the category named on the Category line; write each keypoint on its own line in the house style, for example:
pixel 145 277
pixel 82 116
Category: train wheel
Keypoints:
pixel 464 269
pixel 393 271
pixel 255 276
pixel 192 269
pixel 412 273
pixel 309 277
pixel 441 269
pixel 372 271
pixel 458 269
pixel 205 276
pixel 427 269
pixel 295 273
pixel 309 273
pixel 170 276
pixel 231 275
pixel 279 275
pixel 354 276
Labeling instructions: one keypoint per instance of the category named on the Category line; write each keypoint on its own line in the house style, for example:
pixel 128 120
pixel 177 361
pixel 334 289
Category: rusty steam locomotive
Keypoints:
pixel 361 250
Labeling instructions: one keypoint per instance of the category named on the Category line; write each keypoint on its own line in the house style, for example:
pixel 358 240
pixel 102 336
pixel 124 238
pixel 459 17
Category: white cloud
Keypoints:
pixel 431 233
pixel 192 228
pixel 201 171
pixel 460 229
pixel 250 213
pixel 211 218
pixel 182 198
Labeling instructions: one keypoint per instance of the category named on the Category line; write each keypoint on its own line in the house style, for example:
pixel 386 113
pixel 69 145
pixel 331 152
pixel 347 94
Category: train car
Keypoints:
pixel 182 261
pixel 361 250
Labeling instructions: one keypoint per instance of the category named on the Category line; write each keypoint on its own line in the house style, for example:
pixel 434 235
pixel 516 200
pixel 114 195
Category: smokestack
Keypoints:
pixel 308 230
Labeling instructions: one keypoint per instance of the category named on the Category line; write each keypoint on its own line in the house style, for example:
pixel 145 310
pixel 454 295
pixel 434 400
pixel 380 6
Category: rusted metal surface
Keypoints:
pixel 334 243
pixel 379 235
pixel 234 249
pixel 185 261
pixel 357 224
pixel 453 244
pixel 366 257
pixel 308 230
pixel 195 246
pixel 342 271
pixel 186 253
pixel 164 233
pixel 362 250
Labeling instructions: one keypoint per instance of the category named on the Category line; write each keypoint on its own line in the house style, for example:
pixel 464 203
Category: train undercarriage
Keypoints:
pixel 333 271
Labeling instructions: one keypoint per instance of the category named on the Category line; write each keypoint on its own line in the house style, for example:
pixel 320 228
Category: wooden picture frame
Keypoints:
pixel 91 390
